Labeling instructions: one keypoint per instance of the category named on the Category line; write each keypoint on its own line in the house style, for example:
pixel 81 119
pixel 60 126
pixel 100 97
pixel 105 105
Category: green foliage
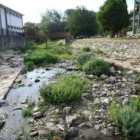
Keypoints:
pixel 113 16
pixel 50 135
pixel 27 112
pixel 26 48
pixel 30 65
pixel 81 21
pixel 53 21
pixel 99 51
pixel 97 67
pixel 31 29
pixel 137 78
pixel 44 55
pixel 68 88
pixel 86 49
pixel 135 103
pixel 83 58
pixel 127 118
pixel 39 57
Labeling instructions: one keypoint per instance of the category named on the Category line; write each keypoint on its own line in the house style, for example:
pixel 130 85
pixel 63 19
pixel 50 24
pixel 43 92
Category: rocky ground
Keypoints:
pixel 10 65
pixel 122 52
pixel 87 119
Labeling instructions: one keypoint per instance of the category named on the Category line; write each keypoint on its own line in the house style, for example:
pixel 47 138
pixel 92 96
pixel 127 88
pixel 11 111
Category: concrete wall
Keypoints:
pixel 8 42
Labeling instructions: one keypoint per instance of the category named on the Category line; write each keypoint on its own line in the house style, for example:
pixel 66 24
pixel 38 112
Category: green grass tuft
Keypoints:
pixel 127 118
pixel 27 112
pixel 97 67
pixel 68 88
pixel 83 58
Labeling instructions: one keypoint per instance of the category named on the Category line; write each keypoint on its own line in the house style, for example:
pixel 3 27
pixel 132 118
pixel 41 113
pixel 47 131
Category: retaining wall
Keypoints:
pixel 8 42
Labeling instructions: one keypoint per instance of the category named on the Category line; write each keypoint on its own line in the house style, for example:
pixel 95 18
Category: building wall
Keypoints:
pixel 8 42
pixel 14 20
pixel 3 19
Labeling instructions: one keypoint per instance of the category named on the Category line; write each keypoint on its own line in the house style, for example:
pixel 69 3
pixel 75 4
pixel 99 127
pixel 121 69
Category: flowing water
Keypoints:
pixel 15 123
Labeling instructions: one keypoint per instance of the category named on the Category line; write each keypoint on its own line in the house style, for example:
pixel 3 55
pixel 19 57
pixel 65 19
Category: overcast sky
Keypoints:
pixel 32 9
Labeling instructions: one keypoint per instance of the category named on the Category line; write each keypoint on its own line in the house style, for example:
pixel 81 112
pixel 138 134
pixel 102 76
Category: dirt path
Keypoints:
pixel 9 69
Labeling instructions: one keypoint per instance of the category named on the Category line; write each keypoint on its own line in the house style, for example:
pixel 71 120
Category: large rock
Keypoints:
pixel 2 123
pixel 111 80
pixel 67 110
pixel 33 134
pixel 37 115
pixel 43 134
pixel 51 127
pixel 109 132
pixel 70 119
pixel 72 132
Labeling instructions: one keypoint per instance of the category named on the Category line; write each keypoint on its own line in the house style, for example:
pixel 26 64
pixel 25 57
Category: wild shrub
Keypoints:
pixel 39 57
pixel 26 48
pixel 99 51
pixel 127 118
pixel 30 65
pixel 86 49
pixel 68 88
pixel 27 112
pixel 97 67
pixel 83 58
pixel 137 78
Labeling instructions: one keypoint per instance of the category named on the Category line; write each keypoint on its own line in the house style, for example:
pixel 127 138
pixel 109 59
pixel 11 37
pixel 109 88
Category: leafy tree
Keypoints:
pixel 81 21
pixel 113 16
pixel 43 31
pixel 31 29
pixel 54 21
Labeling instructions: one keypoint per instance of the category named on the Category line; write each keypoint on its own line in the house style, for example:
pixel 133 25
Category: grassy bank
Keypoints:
pixel 40 54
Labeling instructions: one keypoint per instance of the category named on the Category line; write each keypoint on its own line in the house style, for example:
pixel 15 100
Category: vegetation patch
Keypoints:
pixel 97 67
pixel 41 54
pixel 68 88
pixel 27 112
pixel 40 57
pixel 99 51
pixel 86 49
pixel 127 118
pixel 26 48
pixel 83 58
pixel 30 65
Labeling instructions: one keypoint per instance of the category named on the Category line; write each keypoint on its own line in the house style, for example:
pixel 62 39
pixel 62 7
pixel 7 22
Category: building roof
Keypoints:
pixel 136 17
pixel 3 6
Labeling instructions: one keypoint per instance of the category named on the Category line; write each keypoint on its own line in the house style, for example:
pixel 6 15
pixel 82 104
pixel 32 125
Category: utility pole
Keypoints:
pixel 134 17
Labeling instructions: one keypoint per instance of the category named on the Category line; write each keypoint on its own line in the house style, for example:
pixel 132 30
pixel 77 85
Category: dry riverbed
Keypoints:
pixel 85 120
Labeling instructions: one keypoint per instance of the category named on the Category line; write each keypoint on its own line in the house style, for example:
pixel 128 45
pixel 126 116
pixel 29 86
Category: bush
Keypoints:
pixel 83 58
pixel 99 51
pixel 39 57
pixel 97 67
pixel 127 118
pixel 86 49
pixel 30 65
pixel 24 49
pixel 27 112
pixel 68 88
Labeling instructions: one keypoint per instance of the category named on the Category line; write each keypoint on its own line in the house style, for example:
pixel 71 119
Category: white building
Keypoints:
pixel 11 22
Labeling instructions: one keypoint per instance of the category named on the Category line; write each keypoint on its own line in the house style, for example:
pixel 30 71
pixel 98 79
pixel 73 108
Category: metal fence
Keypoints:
pixel 6 32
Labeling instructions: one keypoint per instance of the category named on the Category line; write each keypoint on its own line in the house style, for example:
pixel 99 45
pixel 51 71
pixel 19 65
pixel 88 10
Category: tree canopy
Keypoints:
pixel 54 21
pixel 81 21
pixel 113 16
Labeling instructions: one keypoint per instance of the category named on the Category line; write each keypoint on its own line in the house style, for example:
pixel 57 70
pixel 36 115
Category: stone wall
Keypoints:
pixel 8 42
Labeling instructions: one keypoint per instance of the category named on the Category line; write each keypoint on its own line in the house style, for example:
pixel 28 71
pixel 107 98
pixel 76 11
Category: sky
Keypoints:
pixel 32 9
